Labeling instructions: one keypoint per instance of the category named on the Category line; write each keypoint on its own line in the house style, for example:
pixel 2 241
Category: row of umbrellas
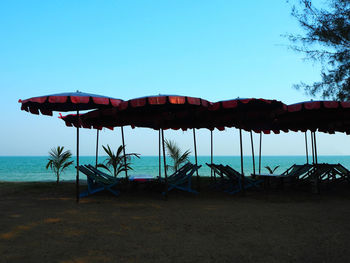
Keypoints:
pixel 182 112
pixel 259 115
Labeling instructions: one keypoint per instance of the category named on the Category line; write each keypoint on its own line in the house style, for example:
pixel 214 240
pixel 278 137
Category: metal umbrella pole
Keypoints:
pixel 312 147
pixel 97 147
pixel 159 155
pixel 315 145
pixel 125 166
pixel 307 151
pixel 195 156
pixel 77 177
pixel 165 172
pixel 211 154
pixel 242 172
pixel 260 152
pixel 252 143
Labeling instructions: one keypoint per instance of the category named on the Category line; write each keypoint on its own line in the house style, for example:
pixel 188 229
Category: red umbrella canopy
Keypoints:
pixel 324 116
pixel 70 101
pixel 163 111
pixel 248 114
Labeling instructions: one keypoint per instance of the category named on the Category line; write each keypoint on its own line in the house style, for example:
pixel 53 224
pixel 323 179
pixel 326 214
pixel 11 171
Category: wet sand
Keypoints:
pixel 41 222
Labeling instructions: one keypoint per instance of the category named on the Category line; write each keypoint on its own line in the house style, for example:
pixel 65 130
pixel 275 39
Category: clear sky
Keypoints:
pixel 211 49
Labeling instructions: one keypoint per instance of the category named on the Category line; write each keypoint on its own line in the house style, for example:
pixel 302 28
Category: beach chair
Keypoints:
pixel 182 178
pixel 249 182
pixel 99 172
pixel 341 173
pixel 223 182
pixel 297 171
pixel 97 183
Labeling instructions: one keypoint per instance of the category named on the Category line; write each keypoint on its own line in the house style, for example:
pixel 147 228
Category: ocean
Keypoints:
pixel 27 169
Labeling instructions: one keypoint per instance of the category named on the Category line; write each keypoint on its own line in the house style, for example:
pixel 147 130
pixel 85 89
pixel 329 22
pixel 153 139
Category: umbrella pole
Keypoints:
pixel 77 178
pixel 125 166
pixel 195 157
pixel 159 156
pixel 211 154
pixel 315 148
pixel 312 147
pixel 97 147
pixel 307 152
pixel 260 153
pixel 165 173
pixel 241 146
pixel 252 143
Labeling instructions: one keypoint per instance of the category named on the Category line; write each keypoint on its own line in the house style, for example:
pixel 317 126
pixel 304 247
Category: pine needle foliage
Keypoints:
pixel 326 39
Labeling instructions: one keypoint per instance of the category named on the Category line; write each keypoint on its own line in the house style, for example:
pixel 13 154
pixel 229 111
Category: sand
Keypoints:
pixel 41 222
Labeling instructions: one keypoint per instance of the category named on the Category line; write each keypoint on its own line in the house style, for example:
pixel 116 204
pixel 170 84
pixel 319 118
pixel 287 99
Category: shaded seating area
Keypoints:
pixel 342 173
pixel 326 174
pixel 98 181
pixel 291 175
pixel 312 175
pixel 181 179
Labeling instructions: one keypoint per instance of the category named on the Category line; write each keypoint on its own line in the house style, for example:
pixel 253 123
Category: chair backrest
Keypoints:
pixel 185 175
pixel 320 169
pixel 297 170
pixel 90 174
pixel 342 169
pixel 100 173
pixel 215 168
pixel 231 173
pixel 182 171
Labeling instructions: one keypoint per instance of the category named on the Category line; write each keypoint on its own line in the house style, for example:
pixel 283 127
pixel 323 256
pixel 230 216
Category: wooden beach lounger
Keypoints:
pixel 182 178
pixel 223 182
pixel 249 182
pixel 231 180
pixel 97 183
pixel 292 174
pixel 99 172
pixel 338 173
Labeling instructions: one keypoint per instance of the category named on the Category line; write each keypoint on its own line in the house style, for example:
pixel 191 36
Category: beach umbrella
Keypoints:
pixel 324 116
pixel 251 114
pixel 159 112
pixel 70 101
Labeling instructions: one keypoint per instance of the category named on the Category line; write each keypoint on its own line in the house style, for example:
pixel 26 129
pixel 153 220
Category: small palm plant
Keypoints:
pixel 59 160
pixel 174 152
pixel 271 171
pixel 117 161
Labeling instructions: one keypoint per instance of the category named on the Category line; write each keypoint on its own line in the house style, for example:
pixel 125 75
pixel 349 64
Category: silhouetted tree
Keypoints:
pixel 327 40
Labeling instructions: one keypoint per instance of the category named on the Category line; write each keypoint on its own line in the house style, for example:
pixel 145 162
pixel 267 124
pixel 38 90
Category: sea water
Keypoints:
pixel 33 168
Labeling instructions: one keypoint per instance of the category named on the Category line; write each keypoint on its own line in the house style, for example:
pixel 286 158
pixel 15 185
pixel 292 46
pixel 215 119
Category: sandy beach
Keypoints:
pixel 41 222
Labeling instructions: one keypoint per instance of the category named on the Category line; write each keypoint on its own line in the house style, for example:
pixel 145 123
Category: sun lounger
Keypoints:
pixel 99 172
pixel 97 183
pixel 340 173
pixel 181 179
pixel 249 182
pixel 231 181
pixel 221 180
pixel 292 174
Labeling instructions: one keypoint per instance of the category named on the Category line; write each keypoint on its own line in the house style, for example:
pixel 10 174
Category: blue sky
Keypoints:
pixel 211 49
